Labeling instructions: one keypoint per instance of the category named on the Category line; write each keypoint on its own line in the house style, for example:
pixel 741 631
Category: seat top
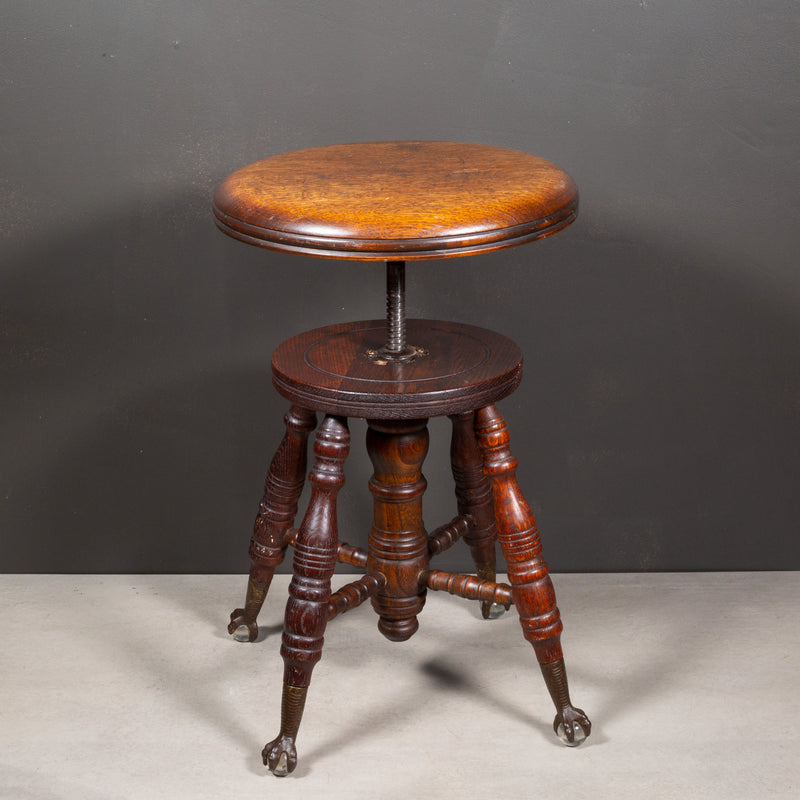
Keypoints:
pixel 396 200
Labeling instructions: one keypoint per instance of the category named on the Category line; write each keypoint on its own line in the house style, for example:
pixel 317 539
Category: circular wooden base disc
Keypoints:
pixel 330 369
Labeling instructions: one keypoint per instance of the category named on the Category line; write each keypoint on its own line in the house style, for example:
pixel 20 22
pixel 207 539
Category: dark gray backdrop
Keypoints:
pixel 657 422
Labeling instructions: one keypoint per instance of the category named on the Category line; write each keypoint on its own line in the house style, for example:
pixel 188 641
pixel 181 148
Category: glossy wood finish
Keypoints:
pixel 491 507
pixel 519 539
pixel 398 542
pixel 469 587
pixel 385 200
pixel 354 594
pixel 532 589
pixel 328 369
pixel 276 514
pixel 310 588
pixel 445 536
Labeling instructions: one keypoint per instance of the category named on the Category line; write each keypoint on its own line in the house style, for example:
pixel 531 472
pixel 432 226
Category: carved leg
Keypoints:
pixel 474 497
pixel 532 588
pixel 275 515
pixel 398 543
pixel 309 590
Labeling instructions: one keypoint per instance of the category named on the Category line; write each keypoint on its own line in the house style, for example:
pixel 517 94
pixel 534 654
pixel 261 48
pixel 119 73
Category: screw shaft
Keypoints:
pixel 396 306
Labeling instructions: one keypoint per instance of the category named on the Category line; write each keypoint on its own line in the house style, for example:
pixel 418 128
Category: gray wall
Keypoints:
pixel 657 422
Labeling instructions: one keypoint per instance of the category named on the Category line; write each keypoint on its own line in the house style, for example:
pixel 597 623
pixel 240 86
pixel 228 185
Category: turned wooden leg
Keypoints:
pixel 398 543
pixel 474 497
pixel 275 516
pixel 309 590
pixel 532 588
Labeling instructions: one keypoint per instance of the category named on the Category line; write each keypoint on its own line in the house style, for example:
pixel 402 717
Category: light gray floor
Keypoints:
pixel 129 687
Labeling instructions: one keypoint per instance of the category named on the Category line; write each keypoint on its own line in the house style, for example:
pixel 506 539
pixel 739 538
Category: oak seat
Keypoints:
pixel 388 200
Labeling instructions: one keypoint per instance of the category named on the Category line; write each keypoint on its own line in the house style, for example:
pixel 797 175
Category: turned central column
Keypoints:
pixel 398 542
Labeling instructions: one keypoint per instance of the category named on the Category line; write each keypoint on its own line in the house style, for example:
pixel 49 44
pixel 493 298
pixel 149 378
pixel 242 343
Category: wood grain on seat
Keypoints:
pixel 396 200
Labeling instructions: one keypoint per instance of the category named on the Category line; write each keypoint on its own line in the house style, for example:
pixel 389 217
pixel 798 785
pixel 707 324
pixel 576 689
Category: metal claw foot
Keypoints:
pixel 280 756
pixel 242 627
pixel 572 726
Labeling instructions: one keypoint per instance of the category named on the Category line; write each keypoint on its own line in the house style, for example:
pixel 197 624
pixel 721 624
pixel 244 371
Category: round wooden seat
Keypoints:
pixel 396 200
pixel 329 369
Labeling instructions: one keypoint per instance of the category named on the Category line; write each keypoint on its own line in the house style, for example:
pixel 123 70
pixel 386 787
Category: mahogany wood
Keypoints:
pixel 398 542
pixel 328 369
pixel 276 513
pixel 390 200
pixel 532 588
pixel 310 587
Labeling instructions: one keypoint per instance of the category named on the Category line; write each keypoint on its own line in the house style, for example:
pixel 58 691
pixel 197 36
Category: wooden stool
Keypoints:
pixel 395 202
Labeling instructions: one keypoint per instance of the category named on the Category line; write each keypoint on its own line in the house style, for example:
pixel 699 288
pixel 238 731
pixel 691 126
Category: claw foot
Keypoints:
pixel 242 627
pixel 572 726
pixel 280 756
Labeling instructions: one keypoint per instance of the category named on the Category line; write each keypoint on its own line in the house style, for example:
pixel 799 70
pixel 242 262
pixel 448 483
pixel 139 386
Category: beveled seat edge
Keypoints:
pixel 418 248
pixel 395 406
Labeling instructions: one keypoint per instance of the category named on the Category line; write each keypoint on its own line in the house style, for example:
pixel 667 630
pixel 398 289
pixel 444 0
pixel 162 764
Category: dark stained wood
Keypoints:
pixel 468 586
pixel 315 555
pixel 310 588
pixel 354 556
pixel 384 200
pixel 328 369
pixel 444 537
pixel 474 497
pixel 395 202
pixel 532 588
pixel 398 542
pixel 354 594
pixel 276 514
pixel 345 553
pixel 519 539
